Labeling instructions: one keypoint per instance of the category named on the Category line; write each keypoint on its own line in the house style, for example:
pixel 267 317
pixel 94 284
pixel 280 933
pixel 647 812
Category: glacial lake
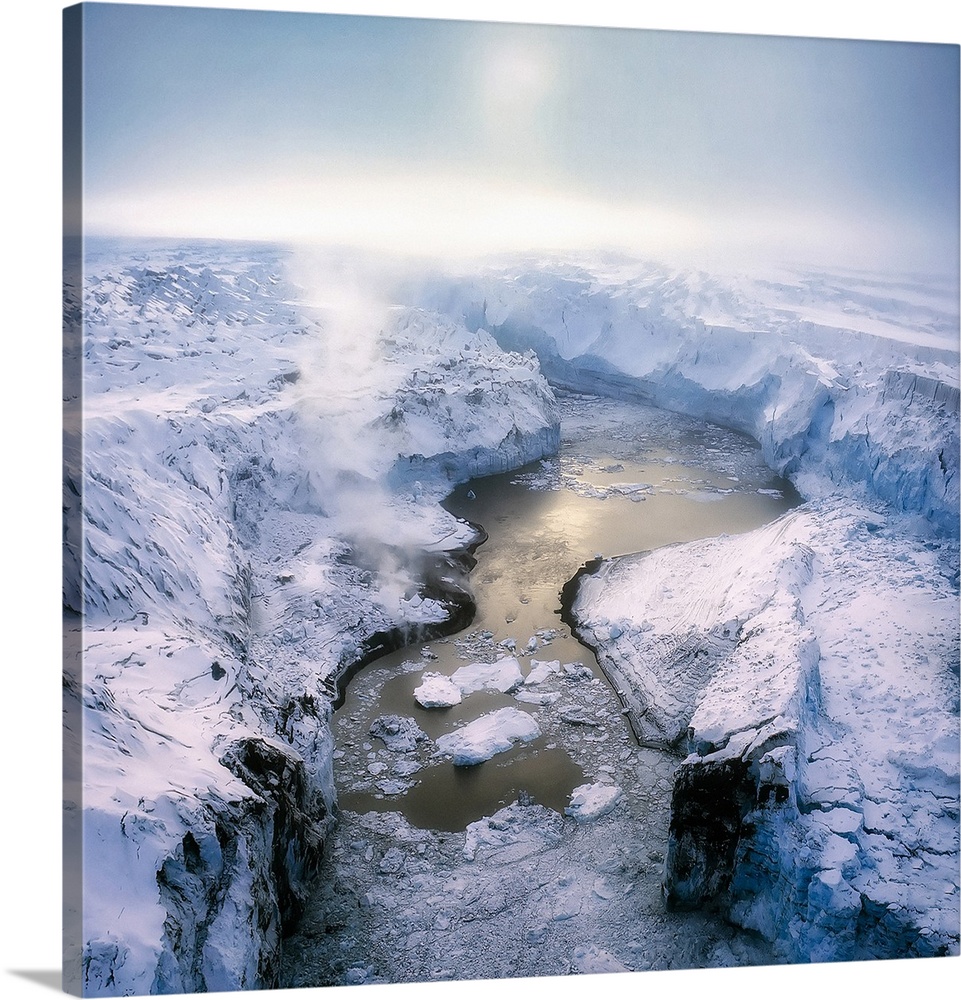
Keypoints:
pixel 627 478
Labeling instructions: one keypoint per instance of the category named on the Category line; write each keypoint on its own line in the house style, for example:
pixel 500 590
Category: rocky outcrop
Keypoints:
pixel 228 885
pixel 709 807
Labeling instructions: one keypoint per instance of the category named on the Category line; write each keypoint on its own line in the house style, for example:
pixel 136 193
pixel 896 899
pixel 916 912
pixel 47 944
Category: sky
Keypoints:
pixel 454 136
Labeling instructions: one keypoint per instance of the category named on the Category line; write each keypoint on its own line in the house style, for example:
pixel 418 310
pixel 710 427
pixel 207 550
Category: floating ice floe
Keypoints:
pixel 392 786
pixel 437 691
pixel 592 801
pixel 503 676
pixel 489 735
pixel 577 672
pixel 537 697
pixel 541 670
pixel 398 733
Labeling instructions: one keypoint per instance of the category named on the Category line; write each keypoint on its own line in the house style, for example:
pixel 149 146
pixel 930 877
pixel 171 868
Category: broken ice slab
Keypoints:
pixel 592 801
pixel 437 691
pixel 503 676
pixel 487 736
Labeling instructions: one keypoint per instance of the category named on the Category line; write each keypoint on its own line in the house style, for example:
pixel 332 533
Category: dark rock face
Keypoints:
pixel 742 840
pixel 245 865
pixel 708 807
pixel 298 821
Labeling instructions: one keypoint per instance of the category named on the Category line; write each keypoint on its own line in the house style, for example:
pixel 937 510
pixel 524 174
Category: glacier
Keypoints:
pixel 807 670
pixel 253 472
pixel 846 379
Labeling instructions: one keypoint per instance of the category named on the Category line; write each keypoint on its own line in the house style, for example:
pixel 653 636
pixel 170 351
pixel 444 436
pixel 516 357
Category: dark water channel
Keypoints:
pixel 628 478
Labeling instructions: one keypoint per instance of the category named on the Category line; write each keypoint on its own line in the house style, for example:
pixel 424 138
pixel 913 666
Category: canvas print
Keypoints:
pixel 511 502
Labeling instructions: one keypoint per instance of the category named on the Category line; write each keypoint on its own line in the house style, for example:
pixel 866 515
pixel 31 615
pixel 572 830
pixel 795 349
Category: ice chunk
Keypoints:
pixel 541 670
pixel 491 734
pixel 514 832
pixel 399 734
pixel 504 676
pixel 537 697
pixel 577 715
pixel 393 861
pixel 392 786
pixel 592 801
pixel 437 691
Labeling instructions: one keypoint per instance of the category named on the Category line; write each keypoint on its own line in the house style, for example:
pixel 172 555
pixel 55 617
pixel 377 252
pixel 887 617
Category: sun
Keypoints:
pixel 515 83
pixel 516 75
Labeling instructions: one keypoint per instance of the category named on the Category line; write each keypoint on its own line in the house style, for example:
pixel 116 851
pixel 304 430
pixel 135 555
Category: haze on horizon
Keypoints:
pixel 451 137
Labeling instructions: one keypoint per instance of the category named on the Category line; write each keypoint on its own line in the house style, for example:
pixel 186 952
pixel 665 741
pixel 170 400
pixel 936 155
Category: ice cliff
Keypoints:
pixel 808 671
pixel 250 513
pixel 846 379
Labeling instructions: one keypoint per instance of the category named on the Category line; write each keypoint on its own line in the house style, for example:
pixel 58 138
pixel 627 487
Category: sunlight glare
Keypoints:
pixel 516 77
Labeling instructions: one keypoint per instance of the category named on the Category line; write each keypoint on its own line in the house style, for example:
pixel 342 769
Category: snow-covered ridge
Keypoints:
pixel 810 671
pixel 846 380
pixel 669 627
pixel 238 538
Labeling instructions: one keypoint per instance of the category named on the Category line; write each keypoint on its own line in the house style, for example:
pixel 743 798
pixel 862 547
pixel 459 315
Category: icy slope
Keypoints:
pixel 843 378
pixel 810 671
pixel 254 515
pixel 669 625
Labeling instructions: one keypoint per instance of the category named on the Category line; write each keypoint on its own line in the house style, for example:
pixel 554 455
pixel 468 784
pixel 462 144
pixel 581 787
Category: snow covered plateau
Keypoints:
pixel 254 459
